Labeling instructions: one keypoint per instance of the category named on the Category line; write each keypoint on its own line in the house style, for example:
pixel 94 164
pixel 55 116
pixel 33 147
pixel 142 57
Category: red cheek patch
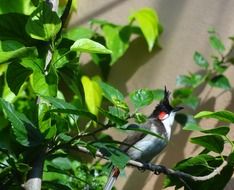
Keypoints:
pixel 162 115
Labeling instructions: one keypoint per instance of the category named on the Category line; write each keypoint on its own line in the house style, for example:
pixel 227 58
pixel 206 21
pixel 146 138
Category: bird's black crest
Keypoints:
pixel 164 104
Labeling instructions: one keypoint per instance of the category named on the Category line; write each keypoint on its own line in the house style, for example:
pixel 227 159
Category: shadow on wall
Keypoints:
pixel 107 7
pixel 136 56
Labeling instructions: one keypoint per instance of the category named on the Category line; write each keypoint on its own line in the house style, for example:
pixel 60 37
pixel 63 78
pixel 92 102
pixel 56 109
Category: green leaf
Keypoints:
pixel 218 65
pixel 200 60
pixel 62 54
pixel 191 101
pixel 78 33
pixel 140 118
pixel 78 112
pixel 114 37
pixel 58 103
pixel 201 165
pixel 231 159
pixel 43 23
pixel 191 124
pixel 93 94
pixel 224 115
pixel 117 157
pixel 216 43
pixel 220 81
pixel 141 97
pixel 223 131
pixel 115 119
pixel 113 95
pixel 192 80
pixel 181 93
pixel 61 163
pixel 158 94
pixel 213 143
pixel 45 124
pixel 26 133
pixel 33 63
pixel 44 85
pixel 16 76
pixel 89 46
pixel 118 112
pixel 16 6
pixel 149 24
pixel 12 27
pixel 10 49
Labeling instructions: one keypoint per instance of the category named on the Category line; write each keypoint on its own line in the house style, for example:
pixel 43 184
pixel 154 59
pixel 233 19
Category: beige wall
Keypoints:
pixel 185 30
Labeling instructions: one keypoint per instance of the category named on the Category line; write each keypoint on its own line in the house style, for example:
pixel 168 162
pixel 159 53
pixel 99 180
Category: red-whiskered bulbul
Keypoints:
pixel 144 147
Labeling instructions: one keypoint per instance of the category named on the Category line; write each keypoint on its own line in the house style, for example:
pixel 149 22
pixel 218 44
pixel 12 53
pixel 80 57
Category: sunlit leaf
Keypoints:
pixel 115 41
pixel 93 94
pixel 113 95
pixel 189 80
pixel 78 33
pixel 89 46
pixel 224 115
pixel 43 23
pixel 10 49
pixel 149 24
pixel 17 6
pixel 141 97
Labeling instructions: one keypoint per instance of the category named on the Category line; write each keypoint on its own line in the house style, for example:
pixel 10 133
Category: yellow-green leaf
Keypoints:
pixel 93 94
pixel 89 46
pixel 149 24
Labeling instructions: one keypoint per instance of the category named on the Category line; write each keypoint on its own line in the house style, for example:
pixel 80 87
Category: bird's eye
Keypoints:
pixel 162 115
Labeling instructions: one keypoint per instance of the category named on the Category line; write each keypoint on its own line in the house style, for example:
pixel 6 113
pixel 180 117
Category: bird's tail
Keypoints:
pixel 112 178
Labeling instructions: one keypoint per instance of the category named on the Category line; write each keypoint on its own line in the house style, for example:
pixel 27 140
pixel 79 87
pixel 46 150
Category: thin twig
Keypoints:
pixel 158 169
pixel 78 136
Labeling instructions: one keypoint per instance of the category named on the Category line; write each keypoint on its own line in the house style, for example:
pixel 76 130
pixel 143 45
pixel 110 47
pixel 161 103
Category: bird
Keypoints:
pixel 144 147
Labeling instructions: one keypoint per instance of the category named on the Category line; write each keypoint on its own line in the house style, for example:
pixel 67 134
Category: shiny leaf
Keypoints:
pixel 224 115
pixel 149 24
pixel 89 46
pixel 93 94
pixel 141 97
pixel 43 23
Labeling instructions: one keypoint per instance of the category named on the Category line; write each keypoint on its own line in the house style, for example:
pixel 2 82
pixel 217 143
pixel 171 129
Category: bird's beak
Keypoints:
pixel 176 109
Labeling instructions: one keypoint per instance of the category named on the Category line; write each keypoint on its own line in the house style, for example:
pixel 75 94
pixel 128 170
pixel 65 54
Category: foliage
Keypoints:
pixel 212 140
pixel 49 107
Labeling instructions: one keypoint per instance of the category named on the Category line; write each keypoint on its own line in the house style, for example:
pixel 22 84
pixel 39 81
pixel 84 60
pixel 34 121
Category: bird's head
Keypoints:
pixel 164 112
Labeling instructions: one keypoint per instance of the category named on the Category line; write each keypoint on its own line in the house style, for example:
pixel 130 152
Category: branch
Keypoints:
pixel 34 179
pixel 78 136
pixel 158 169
